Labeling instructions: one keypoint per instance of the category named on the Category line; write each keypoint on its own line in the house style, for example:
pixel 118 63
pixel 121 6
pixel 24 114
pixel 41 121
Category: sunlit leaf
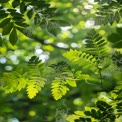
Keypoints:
pixel 71 82
pixel 58 89
pixel 34 87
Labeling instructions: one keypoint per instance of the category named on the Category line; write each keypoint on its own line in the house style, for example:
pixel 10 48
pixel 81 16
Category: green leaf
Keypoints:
pixel 37 19
pixel 3 14
pixel 64 23
pixel 13 81
pixel 13 36
pixel 1 41
pixel 72 117
pixel 4 1
pixel 24 31
pixel 34 87
pixel 7 28
pixel 53 31
pixel 71 82
pixel 21 24
pixel 5 22
pixel 20 29
pixel 15 3
pixel 30 13
pixel 19 19
pixel 88 113
pixel 16 14
pixel 94 113
pixel 59 88
pixel 21 83
pixel 1 7
pixel 23 7
pixel 28 0
pixel 33 58
pixel 11 10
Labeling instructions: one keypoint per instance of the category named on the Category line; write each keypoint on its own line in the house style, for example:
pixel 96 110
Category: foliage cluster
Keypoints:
pixel 86 71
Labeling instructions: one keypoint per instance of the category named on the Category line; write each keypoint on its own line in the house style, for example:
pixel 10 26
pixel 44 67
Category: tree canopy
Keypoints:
pixel 60 61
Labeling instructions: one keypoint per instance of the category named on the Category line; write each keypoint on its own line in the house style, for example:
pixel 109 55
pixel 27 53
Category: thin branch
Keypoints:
pixel 101 80
pixel 52 44
pixel 29 34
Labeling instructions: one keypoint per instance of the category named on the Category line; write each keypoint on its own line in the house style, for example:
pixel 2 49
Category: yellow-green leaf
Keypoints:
pixel 58 89
pixel 34 87
pixel 22 83
pixel 72 118
pixel 71 82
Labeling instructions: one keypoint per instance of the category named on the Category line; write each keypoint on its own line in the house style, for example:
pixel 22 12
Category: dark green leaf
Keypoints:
pixel 37 19
pixel 15 3
pixel 53 31
pixel 94 113
pixel 4 1
pixel 118 44
pixel 37 60
pixel 33 58
pixel 28 0
pixel 3 14
pixel 23 7
pixel 87 113
pixel 20 29
pixel 1 7
pixel 1 41
pixel 7 28
pixel 119 30
pixel 13 36
pixel 41 4
pixel 11 10
pixel 82 120
pixel 26 32
pixel 21 24
pixel 30 13
pixel 16 14
pixel 5 22
pixel 52 10
pixel 88 119
pixel 64 23
pixel 18 19
pixel 115 39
